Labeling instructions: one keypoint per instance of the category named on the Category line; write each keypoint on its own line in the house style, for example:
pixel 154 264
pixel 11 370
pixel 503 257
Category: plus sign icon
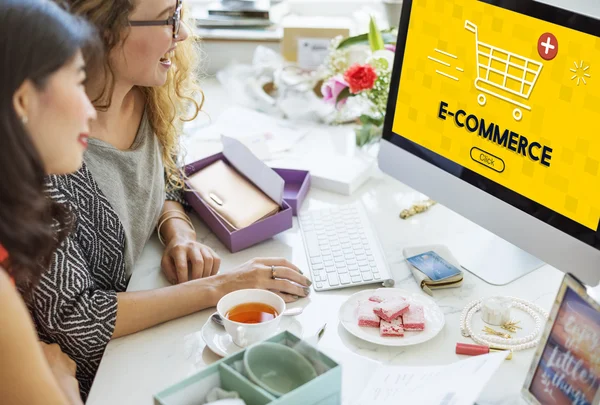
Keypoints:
pixel 548 46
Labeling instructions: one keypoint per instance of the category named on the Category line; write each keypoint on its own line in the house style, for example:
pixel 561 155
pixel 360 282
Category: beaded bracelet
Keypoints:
pixel 538 314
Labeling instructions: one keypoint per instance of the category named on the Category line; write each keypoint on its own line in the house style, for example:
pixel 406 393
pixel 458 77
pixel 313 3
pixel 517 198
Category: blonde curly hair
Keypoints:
pixel 168 106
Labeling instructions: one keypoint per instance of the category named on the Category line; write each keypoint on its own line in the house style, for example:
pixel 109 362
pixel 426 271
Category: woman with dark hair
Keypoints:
pixel 44 121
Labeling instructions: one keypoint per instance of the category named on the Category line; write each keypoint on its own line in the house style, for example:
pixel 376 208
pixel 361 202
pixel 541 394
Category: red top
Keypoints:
pixel 3 257
pixel 3 254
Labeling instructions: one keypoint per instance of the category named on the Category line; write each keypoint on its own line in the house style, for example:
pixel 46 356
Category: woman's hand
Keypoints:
pixel 186 259
pixel 63 369
pixel 274 274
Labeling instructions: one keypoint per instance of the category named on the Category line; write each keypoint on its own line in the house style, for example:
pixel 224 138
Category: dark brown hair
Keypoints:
pixel 37 38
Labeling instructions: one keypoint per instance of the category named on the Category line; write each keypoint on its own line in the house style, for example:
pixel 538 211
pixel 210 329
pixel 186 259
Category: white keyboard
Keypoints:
pixel 342 249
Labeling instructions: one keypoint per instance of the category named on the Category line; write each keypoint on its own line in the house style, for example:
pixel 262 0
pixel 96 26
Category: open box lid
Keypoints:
pixel 263 177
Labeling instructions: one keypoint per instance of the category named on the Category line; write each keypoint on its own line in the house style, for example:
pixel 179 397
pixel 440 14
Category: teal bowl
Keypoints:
pixel 277 368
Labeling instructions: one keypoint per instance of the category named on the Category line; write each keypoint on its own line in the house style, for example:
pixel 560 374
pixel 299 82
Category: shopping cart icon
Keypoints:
pixel 504 74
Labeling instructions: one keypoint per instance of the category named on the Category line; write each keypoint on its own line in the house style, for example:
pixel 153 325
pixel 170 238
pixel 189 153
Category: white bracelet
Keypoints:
pixel 538 314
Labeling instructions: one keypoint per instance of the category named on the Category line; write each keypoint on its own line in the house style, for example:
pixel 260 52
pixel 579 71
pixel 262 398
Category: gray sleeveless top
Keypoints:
pixel 133 182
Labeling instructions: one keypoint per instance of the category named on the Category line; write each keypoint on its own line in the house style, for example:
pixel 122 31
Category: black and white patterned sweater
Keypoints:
pixel 75 303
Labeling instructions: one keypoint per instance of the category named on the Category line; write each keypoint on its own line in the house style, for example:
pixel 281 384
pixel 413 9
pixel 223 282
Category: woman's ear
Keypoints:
pixel 23 99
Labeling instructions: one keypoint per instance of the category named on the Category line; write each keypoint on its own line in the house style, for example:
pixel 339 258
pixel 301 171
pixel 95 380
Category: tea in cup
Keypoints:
pixel 250 316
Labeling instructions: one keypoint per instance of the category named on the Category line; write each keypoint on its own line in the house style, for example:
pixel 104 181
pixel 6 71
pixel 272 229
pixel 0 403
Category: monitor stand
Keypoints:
pixel 491 258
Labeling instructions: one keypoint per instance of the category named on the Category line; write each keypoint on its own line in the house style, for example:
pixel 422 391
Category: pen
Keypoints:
pixel 475 350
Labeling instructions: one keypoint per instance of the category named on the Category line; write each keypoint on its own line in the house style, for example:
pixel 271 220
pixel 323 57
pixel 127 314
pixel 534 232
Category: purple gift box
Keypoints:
pixel 297 183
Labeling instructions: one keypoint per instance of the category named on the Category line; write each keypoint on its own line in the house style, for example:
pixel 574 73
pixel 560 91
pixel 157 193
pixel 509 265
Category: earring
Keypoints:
pixel 24 120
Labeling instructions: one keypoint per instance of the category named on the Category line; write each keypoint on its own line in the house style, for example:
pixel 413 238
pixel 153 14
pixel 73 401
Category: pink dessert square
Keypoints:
pixel 376 298
pixel 391 309
pixel 392 329
pixel 414 319
pixel 366 316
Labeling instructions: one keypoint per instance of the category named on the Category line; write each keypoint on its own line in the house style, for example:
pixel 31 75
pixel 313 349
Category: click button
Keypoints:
pixel 487 159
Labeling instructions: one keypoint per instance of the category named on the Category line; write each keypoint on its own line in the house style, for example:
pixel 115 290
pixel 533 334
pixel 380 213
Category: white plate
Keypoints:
pixel 220 342
pixel 434 318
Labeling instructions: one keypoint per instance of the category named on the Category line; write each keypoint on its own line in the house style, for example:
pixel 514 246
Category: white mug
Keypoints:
pixel 245 334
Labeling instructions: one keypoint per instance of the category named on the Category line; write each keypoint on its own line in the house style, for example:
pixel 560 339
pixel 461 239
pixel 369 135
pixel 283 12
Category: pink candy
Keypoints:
pixel 366 316
pixel 414 319
pixel 393 328
pixel 392 309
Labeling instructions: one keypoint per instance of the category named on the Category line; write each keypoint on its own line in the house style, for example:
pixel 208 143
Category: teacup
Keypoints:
pixel 245 334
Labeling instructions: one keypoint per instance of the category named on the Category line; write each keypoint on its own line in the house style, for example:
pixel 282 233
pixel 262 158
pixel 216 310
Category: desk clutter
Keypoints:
pixel 243 201
pixel 281 370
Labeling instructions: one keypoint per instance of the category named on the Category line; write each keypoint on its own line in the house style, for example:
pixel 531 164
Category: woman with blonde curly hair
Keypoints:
pixel 129 184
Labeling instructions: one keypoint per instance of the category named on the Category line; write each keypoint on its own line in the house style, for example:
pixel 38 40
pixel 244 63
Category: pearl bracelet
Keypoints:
pixel 538 314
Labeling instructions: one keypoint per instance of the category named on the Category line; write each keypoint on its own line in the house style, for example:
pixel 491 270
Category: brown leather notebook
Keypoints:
pixel 237 201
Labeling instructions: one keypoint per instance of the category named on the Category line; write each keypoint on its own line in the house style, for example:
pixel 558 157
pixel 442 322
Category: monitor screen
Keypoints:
pixel 504 94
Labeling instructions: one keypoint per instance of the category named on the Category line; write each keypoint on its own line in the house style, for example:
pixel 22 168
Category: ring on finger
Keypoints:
pixel 273 272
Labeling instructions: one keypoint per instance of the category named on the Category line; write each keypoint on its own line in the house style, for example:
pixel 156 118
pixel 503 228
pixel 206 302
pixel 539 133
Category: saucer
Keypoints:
pixel 434 318
pixel 220 342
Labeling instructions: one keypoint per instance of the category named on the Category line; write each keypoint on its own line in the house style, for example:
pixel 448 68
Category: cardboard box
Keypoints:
pixel 323 390
pixel 306 38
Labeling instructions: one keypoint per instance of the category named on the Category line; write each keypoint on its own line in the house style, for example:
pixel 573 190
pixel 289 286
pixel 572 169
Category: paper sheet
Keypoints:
pixel 456 384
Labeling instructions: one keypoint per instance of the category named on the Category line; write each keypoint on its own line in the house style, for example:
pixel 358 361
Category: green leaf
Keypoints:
pixel 389 36
pixel 375 39
pixel 343 94
pixel 367 119
pixel 367 134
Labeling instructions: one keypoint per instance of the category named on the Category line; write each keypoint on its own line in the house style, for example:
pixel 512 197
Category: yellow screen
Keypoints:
pixel 511 97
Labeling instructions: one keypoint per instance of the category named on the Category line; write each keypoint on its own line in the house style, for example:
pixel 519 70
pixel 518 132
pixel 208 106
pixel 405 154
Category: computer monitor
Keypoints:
pixel 494 111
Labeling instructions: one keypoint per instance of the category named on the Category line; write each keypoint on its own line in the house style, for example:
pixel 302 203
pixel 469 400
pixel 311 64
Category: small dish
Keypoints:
pixel 277 368
pixel 220 342
pixel 434 318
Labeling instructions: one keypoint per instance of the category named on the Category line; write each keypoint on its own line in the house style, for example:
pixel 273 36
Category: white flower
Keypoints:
pixel 358 54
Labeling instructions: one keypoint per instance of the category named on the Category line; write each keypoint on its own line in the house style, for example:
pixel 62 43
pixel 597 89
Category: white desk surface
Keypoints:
pixel 137 366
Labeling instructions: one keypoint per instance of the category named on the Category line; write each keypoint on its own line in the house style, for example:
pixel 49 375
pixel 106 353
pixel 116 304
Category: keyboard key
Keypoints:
pixel 312 244
pixel 362 263
pixel 364 269
pixel 356 279
pixel 352 262
pixel 318 266
pixel 344 278
pixel 330 269
pixel 346 246
pixel 340 265
pixel 353 267
pixel 316 260
pixel 360 256
pixel 339 259
pixel 376 276
pixel 367 276
pixel 342 270
pixel 333 279
pixel 328 263
pixel 354 273
pixel 319 285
